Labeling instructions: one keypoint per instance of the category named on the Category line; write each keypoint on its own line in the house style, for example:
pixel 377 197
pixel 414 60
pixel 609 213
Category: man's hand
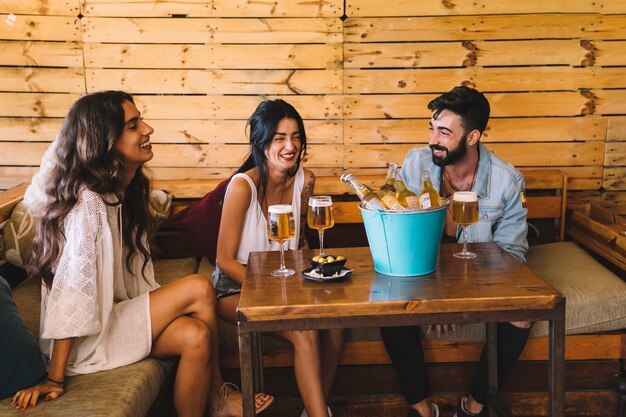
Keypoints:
pixel 439 327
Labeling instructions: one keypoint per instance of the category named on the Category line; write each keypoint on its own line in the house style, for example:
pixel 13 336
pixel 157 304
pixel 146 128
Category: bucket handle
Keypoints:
pixel 380 213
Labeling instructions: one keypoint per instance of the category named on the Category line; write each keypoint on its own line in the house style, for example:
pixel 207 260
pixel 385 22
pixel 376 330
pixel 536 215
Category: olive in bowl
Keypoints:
pixel 328 265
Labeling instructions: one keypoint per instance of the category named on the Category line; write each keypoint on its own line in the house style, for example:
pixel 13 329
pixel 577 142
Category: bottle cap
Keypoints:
pixel 346 176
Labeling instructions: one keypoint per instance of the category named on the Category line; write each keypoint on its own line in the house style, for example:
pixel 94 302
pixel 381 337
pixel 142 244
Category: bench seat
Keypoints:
pixel 128 391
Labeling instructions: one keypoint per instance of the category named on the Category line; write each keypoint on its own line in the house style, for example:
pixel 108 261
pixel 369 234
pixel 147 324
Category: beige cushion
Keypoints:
pixel 18 233
pixel 124 392
pixel 596 298
pixel 168 270
pixel 160 204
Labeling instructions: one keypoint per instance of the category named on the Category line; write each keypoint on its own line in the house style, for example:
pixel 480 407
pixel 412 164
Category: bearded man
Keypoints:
pixel 458 161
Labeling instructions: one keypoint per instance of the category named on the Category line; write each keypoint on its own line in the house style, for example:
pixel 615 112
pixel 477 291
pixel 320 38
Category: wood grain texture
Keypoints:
pixel 41 7
pixel 213 56
pixel 232 131
pixel 41 54
pixel 488 80
pixel 211 107
pixel 543 155
pixel 173 81
pixel 447 290
pixel 439 8
pixel 52 80
pixel 577 348
pixel 218 8
pixel 496 27
pixel 29 129
pixel 9 199
pixel 470 53
pixel 201 31
pixel 41 28
pixel 616 128
pixel 41 105
pixel 498 130
pixel 522 104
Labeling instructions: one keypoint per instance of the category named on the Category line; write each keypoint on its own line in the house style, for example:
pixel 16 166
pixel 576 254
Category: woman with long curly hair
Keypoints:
pixel 101 307
pixel 272 175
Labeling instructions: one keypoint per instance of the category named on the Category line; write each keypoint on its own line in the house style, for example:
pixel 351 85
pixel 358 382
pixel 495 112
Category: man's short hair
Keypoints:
pixel 470 104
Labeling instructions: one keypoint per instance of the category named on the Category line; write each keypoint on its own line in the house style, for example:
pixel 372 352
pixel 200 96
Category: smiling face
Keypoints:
pixel 134 143
pixel 282 152
pixel 448 139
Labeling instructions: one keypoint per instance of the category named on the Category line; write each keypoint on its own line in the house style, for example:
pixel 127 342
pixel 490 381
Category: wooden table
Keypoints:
pixel 491 288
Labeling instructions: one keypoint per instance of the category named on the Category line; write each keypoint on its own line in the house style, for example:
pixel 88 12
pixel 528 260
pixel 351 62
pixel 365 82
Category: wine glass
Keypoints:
pixel 465 212
pixel 281 227
pixel 320 216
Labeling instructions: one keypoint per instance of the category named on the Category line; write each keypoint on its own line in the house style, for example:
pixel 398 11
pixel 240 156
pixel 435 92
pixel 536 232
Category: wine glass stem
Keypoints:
pixel 464 239
pixel 282 256
pixel 321 232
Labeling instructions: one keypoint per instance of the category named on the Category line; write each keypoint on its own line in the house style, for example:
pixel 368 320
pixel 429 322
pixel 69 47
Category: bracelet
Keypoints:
pixel 55 381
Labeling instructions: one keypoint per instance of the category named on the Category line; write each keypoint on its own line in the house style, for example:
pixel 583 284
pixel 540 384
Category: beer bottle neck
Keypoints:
pixel 391 173
pixel 359 189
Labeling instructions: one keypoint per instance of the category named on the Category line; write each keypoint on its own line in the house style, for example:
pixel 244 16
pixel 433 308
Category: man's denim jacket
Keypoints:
pixel 498 185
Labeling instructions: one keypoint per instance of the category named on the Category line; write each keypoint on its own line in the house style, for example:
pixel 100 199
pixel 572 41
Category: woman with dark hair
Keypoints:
pixel 101 307
pixel 272 175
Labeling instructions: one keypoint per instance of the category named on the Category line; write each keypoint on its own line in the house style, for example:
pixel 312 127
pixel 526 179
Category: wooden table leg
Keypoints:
pixel 492 364
pixel 247 382
pixel 556 366
pixel 257 349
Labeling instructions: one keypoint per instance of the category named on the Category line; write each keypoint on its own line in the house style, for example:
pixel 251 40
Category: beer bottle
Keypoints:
pixel 371 199
pixel 390 183
pixel 405 196
pixel 429 197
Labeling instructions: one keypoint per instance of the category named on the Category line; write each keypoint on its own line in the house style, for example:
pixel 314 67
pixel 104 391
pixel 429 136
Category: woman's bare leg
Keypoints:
pixel 227 308
pixel 332 346
pixel 190 339
pixel 308 369
pixel 192 295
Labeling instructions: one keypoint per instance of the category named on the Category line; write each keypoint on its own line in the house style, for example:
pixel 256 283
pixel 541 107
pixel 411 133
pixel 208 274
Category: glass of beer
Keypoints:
pixel 465 212
pixel 320 216
pixel 281 227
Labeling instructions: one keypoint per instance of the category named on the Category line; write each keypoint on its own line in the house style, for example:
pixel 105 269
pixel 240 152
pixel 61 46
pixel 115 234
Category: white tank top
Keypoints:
pixel 254 233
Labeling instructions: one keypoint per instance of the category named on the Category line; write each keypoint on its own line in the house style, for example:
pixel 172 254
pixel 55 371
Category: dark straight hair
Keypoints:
pixel 262 126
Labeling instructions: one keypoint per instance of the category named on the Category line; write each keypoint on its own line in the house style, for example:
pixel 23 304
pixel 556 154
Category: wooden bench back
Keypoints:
pixel 549 203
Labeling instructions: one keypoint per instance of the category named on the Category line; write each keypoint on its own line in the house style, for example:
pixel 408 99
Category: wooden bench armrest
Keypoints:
pixel 601 232
pixel 9 199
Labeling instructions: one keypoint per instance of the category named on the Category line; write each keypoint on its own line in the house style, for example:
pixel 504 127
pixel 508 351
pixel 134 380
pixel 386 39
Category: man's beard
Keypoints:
pixel 451 155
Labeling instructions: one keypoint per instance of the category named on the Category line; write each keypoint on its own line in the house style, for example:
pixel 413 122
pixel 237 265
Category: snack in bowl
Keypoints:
pixel 328 265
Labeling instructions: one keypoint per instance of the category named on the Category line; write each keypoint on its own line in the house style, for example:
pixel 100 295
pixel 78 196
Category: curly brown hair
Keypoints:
pixel 85 157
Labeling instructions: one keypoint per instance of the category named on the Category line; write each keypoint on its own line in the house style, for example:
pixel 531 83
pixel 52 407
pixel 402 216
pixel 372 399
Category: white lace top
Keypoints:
pixel 94 297
pixel 254 234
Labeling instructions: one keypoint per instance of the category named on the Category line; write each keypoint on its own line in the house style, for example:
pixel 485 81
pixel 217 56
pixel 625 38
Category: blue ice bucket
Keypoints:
pixel 405 243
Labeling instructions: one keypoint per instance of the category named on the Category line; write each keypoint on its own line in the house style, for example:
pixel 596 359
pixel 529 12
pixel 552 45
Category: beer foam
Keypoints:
pixel 313 202
pixel 280 209
pixel 466 196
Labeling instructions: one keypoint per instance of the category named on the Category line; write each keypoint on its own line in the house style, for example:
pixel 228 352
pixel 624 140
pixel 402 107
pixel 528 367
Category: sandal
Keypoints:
pixel 219 400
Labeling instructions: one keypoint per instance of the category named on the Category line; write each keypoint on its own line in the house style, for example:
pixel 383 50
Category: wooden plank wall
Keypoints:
pixel 360 72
